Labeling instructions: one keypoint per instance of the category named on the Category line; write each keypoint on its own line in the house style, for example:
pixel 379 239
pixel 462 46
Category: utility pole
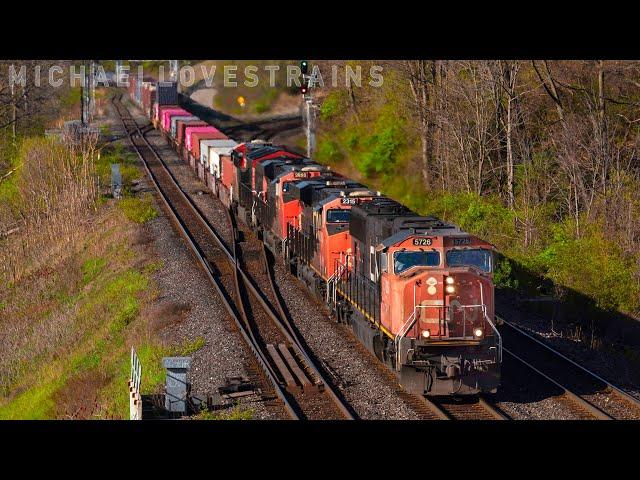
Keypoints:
pixel 83 93
pixel 92 90
pixel 14 116
pixel 173 70
pixel 88 94
pixel 309 108
pixel 117 72
pixel 174 73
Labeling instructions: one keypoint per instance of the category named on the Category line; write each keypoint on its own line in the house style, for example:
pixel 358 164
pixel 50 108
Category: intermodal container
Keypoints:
pixel 210 152
pixel 171 112
pixel 158 109
pixel 173 129
pixel 192 144
pixel 182 125
pixel 167 93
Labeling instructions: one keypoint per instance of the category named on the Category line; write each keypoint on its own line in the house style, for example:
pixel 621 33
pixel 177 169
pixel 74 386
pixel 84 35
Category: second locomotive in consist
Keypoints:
pixel 418 292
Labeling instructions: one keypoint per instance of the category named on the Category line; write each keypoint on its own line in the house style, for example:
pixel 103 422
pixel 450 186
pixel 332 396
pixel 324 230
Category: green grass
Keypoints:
pixel 237 413
pixel 129 170
pixel 109 305
pixel 71 97
pixel 91 268
pixel 106 296
pixel 138 209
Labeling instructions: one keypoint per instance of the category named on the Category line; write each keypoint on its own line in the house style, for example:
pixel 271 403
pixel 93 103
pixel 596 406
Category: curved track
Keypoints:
pixel 186 220
pixel 590 393
pixel 219 261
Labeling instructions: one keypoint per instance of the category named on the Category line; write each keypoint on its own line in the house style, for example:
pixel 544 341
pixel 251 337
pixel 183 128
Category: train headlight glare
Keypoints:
pixel 432 281
pixel 450 288
pixel 431 290
pixel 450 280
pixel 426 334
pixel 478 332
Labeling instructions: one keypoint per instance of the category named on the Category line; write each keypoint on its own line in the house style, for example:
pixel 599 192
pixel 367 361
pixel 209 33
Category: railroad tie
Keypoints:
pixel 284 371
pixel 302 378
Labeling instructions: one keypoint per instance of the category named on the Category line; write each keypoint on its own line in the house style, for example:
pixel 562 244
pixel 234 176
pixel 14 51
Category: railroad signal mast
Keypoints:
pixel 309 107
pixel 88 94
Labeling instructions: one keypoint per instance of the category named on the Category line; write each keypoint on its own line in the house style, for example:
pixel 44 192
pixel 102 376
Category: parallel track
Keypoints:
pixel 271 325
pixel 255 301
pixel 187 220
pixel 592 394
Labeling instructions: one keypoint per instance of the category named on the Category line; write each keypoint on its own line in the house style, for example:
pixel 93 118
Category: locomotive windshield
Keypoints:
pixel 470 257
pixel 338 216
pixel 407 259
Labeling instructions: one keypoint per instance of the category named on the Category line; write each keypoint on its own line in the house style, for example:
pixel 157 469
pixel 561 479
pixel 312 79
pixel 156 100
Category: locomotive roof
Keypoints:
pixel 383 206
pixel 269 167
pixel 450 230
pixel 261 150
pixel 343 192
pixel 315 189
pixel 385 222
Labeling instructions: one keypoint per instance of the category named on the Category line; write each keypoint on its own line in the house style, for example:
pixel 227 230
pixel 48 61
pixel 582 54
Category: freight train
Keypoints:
pixel 417 292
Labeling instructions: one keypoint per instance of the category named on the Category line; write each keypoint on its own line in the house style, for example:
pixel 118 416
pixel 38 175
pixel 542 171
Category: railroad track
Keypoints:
pixel 189 226
pixel 278 362
pixel 265 315
pixel 474 407
pixel 593 396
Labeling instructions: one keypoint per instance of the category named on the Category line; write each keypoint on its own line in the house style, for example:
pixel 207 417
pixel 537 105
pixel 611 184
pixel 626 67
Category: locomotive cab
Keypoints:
pixel 438 299
pixel 418 292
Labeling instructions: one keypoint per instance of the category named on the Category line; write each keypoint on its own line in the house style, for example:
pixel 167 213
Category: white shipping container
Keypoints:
pixel 210 152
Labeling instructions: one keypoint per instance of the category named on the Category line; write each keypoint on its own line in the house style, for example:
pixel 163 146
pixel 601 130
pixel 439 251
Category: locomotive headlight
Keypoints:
pixel 478 332
pixel 431 290
pixel 450 289
pixel 426 334
pixel 450 280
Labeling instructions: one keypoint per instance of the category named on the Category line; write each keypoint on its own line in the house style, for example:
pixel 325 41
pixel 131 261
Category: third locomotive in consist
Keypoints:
pixel 417 292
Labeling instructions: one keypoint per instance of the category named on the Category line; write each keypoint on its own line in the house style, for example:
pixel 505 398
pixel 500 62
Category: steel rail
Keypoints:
pixel 250 285
pixel 291 333
pixel 615 389
pixel 254 290
pixel 195 249
pixel 576 399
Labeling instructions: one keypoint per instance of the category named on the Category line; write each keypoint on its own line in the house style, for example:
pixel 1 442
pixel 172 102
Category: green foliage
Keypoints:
pixel 107 305
pixel 374 149
pixel 592 266
pixel 237 413
pixel 70 98
pixel 333 105
pixel 128 166
pixel 503 276
pixel 329 152
pixel 139 210
pixel 189 348
pixel 265 103
pixel 91 268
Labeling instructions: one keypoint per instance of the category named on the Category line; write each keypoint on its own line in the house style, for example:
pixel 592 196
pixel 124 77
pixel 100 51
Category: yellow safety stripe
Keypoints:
pixel 366 315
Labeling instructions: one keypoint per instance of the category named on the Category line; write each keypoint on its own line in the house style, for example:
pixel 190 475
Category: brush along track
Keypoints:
pixel 210 258
pixel 584 388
